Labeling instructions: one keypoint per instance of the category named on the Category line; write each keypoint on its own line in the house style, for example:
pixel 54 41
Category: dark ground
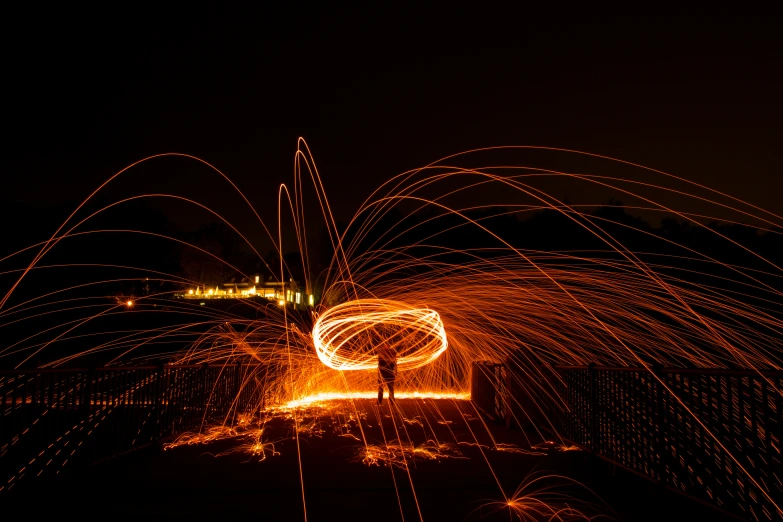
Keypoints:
pixel 191 483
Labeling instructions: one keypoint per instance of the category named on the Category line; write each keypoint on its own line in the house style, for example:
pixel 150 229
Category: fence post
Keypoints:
pixel 660 424
pixel 86 408
pixel 87 392
pixel 205 390
pixel 3 394
pixel 593 407
pixel 237 402
pixel 158 433
pixel 499 385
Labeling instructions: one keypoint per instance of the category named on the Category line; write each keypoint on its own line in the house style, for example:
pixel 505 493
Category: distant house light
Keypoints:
pixel 312 301
pixel 274 291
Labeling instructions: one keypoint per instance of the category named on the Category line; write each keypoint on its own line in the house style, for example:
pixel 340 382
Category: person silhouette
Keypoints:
pixel 387 369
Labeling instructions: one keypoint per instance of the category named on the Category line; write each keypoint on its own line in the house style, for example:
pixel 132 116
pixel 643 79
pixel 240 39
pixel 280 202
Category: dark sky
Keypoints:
pixel 376 92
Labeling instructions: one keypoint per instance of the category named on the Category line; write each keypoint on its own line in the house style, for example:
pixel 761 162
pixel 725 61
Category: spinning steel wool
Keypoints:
pixel 346 335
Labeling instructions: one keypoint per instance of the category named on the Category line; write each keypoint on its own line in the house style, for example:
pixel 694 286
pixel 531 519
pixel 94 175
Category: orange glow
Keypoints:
pixel 321 399
pixel 443 309
pixel 544 496
pixel 347 335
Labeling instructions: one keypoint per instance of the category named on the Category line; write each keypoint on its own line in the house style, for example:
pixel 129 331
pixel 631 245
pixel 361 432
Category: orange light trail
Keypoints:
pixel 322 399
pixel 400 274
pixel 346 335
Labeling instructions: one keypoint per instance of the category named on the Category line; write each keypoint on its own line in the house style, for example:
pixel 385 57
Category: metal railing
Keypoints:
pixel 712 434
pixel 53 418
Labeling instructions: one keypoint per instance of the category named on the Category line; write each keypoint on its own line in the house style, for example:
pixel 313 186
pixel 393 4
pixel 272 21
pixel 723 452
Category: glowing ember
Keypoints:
pixel 324 397
pixel 347 335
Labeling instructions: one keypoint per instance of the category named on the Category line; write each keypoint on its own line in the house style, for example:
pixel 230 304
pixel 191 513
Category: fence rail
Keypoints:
pixel 50 418
pixel 711 434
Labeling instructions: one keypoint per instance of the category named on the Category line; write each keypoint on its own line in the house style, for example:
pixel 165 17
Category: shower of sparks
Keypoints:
pixel 542 497
pixel 395 279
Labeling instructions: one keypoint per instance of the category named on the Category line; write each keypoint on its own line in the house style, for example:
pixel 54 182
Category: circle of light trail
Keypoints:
pixel 346 336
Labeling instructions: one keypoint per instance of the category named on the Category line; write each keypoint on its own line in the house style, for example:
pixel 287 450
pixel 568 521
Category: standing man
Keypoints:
pixel 387 369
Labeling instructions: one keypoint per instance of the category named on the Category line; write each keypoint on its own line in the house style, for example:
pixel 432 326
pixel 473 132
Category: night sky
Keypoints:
pixel 376 92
